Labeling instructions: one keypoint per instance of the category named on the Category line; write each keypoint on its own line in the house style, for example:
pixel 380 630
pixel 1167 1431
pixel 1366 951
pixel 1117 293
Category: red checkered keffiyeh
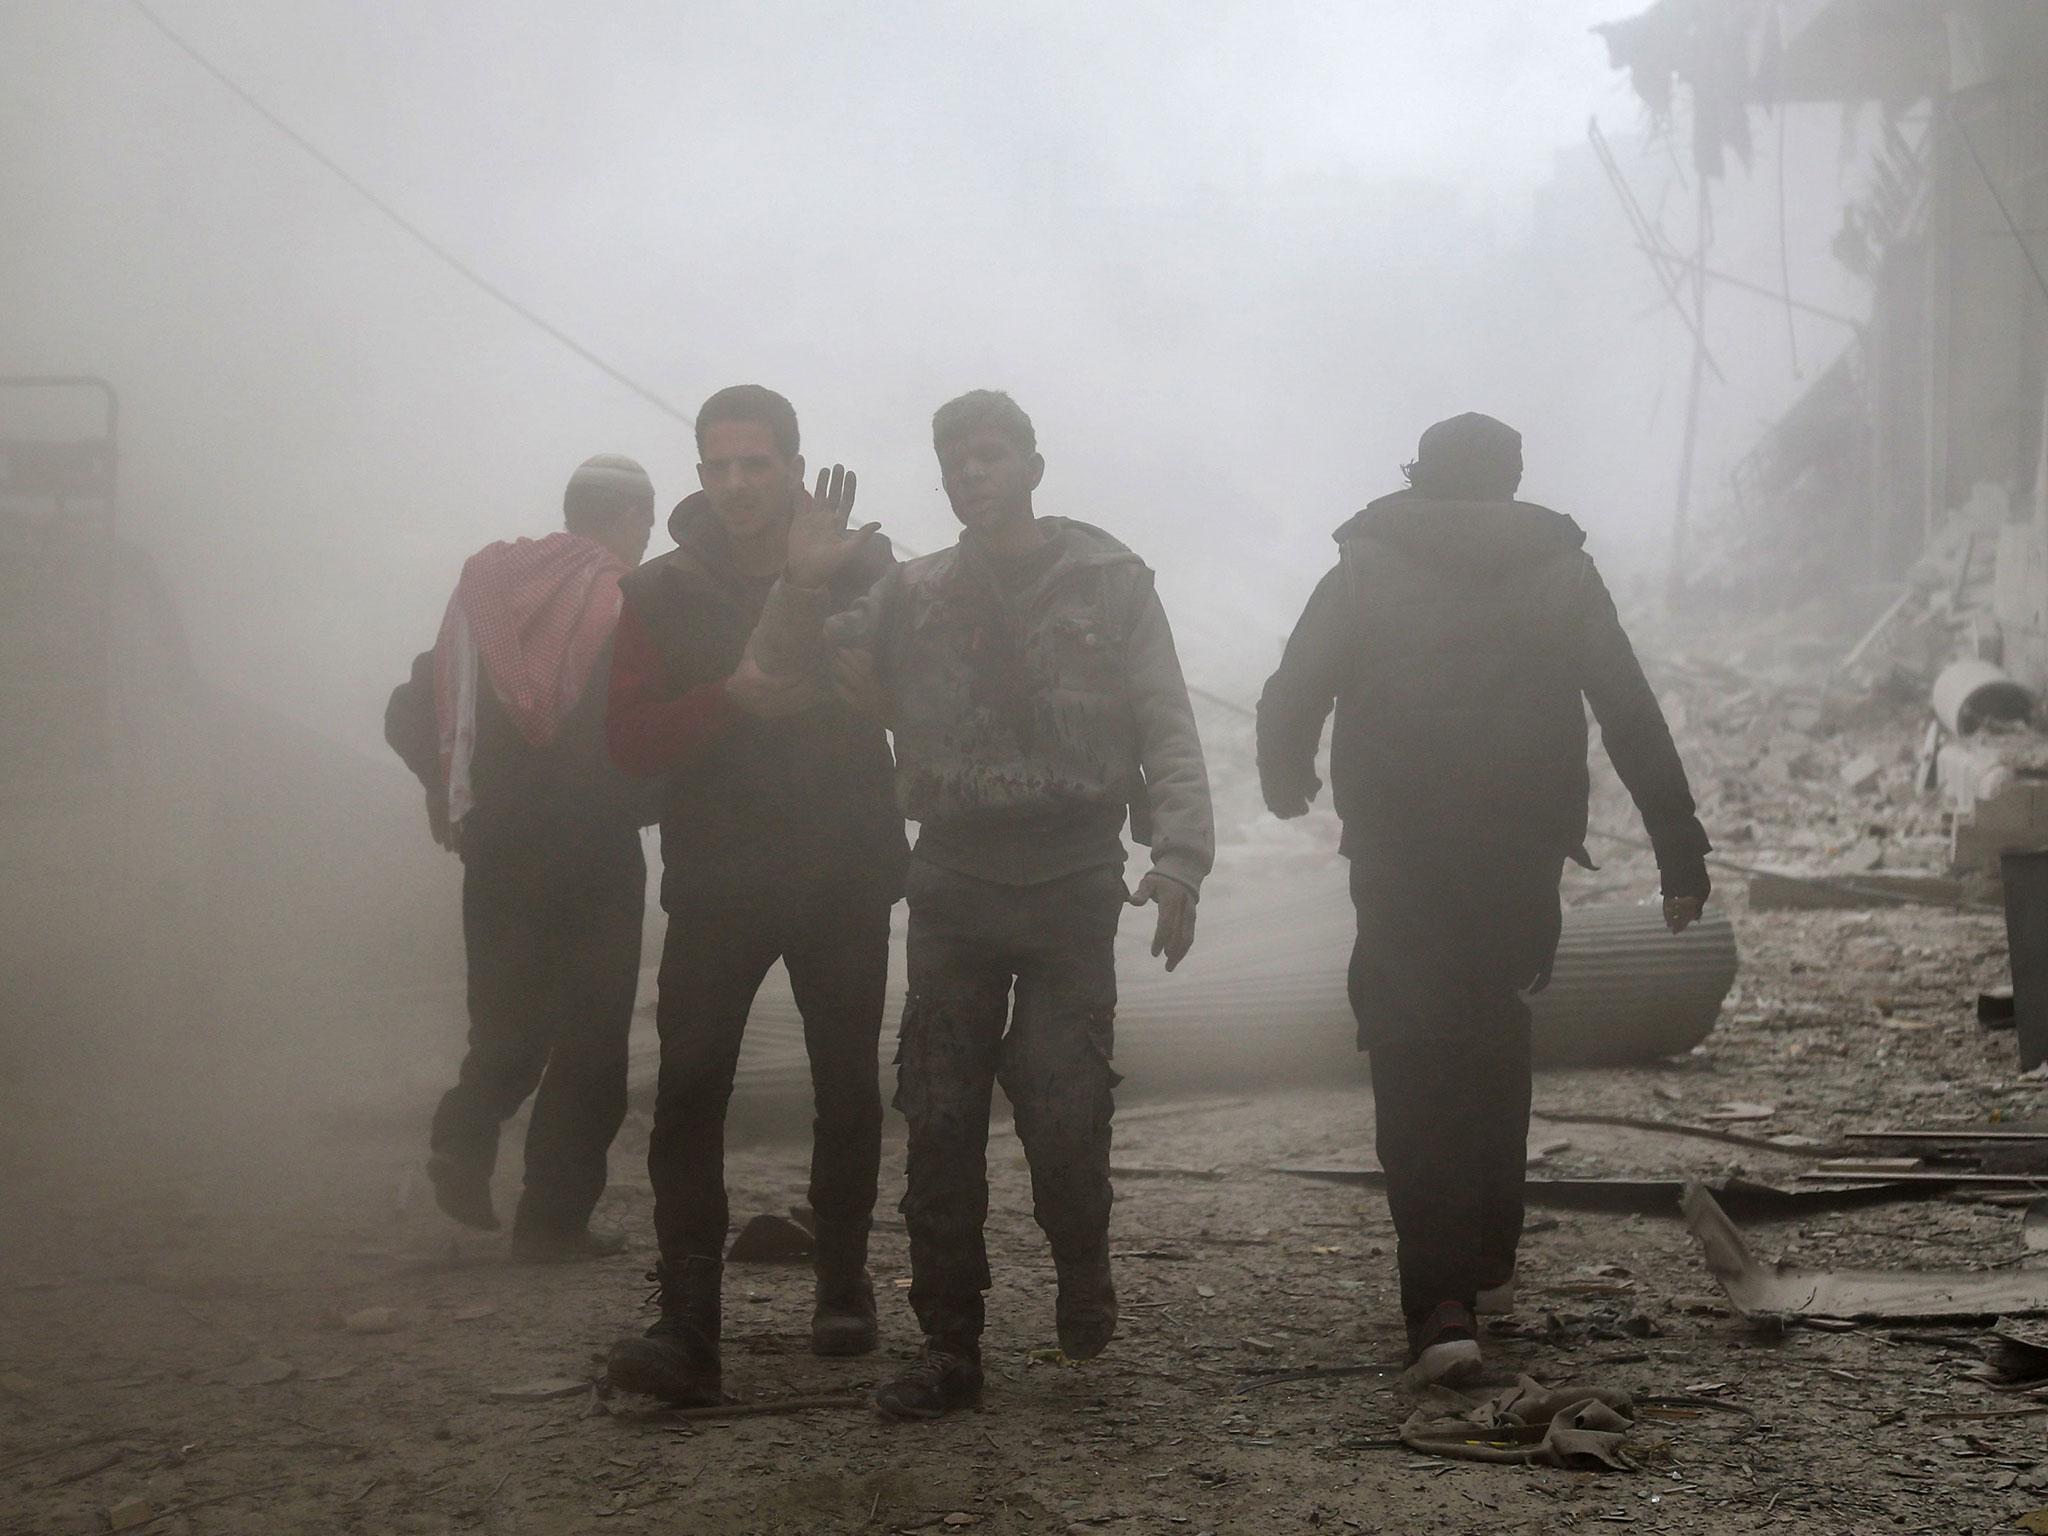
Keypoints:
pixel 531 616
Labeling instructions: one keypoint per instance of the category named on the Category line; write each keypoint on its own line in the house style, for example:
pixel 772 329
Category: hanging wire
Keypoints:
pixel 425 240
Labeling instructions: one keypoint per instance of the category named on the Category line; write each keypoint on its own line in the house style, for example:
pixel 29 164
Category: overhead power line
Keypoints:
pixel 425 240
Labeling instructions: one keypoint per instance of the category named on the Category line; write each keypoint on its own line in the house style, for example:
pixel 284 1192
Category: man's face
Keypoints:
pixel 988 477
pixel 751 483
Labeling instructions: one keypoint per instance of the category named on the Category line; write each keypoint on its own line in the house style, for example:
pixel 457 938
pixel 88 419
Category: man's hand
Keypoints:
pixel 1175 935
pixel 765 697
pixel 1290 803
pixel 1681 912
pixel 448 834
pixel 819 544
pixel 854 680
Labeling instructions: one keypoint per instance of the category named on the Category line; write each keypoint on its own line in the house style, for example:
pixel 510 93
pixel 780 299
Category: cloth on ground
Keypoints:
pixel 1577 1428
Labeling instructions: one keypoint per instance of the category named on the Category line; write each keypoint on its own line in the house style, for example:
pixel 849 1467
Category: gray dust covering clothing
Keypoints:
pixel 1035 702
pixel 975 945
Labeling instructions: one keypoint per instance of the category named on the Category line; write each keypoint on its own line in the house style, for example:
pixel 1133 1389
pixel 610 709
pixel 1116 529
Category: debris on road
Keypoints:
pixel 1576 1428
pixel 770 1239
pixel 1777 1291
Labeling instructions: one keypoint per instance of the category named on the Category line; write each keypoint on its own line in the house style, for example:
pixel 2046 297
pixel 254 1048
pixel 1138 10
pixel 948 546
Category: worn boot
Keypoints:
pixel 843 1317
pixel 946 1376
pixel 1085 1312
pixel 548 1245
pixel 463 1190
pixel 676 1360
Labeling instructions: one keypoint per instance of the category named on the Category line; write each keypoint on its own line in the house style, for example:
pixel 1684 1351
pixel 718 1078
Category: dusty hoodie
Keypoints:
pixel 1034 702
pixel 1457 641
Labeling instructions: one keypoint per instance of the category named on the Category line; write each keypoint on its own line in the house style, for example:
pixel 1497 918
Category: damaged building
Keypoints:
pixel 1910 470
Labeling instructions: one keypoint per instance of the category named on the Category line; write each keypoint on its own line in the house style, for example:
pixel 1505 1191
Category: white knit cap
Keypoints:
pixel 612 474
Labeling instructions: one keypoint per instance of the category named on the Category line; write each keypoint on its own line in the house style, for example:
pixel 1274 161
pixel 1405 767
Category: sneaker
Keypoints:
pixel 463 1191
pixel 945 1377
pixel 676 1359
pixel 1085 1312
pixel 541 1246
pixel 843 1316
pixel 1444 1349
pixel 1497 1300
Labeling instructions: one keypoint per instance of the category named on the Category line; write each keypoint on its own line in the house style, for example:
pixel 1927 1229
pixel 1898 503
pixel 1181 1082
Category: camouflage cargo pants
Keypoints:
pixel 1015 984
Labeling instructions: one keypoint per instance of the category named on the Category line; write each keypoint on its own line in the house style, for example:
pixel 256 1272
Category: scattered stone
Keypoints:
pixel 770 1239
pixel 372 1320
pixel 129 1513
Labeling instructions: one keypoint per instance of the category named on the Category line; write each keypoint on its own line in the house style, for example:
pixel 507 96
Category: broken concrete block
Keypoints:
pixel 770 1239
pixel 1862 773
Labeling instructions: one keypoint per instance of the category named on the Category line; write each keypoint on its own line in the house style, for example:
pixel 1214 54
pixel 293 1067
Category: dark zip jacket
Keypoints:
pixel 1457 641
pixel 809 797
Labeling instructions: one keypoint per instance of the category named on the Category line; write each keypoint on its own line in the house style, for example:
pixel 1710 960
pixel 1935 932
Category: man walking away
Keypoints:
pixel 504 726
pixel 780 840
pixel 1457 635
pixel 1036 697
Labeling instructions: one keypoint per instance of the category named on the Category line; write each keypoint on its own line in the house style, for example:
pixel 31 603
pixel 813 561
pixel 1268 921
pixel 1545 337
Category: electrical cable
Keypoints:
pixel 406 225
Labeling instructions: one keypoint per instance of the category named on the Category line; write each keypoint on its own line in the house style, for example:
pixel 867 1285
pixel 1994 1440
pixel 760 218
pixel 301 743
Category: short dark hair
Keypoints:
pixel 752 402
pixel 604 488
pixel 984 408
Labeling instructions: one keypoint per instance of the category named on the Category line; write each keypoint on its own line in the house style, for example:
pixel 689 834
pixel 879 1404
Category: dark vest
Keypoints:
pixel 809 798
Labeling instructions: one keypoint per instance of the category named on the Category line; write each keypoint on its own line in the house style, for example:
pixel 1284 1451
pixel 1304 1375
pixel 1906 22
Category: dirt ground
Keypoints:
pixel 170 1318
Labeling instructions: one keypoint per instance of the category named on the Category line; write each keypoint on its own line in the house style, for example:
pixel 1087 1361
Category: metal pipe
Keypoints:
pixel 1263 1001
pixel 1970 692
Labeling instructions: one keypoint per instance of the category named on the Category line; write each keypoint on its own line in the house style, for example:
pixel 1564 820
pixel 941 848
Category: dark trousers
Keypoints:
pixel 1446 949
pixel 551 920
pixel 1041 960
pixel 833 938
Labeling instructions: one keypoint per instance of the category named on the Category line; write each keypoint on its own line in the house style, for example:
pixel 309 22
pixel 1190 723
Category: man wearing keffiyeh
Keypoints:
pixel 502 726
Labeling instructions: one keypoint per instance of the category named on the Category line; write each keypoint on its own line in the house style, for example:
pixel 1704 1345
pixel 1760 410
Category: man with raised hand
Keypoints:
pixel 1031 681
pixel 780 841
pixel 1457 637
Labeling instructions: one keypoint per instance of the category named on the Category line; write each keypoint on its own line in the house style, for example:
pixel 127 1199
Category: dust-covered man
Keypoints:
pixel 780 840
pixel 503 722
pixel 1036 698
pixel 1457 635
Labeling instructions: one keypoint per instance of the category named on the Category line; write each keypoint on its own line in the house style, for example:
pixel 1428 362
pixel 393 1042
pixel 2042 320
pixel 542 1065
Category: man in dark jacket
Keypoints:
pixel 1036 698
pixel 503 722
pixel 780 841
pixel 1456 636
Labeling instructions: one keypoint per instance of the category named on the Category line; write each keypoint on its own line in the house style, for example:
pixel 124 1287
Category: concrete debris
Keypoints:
pixel 770 1239
pixel 1660 1197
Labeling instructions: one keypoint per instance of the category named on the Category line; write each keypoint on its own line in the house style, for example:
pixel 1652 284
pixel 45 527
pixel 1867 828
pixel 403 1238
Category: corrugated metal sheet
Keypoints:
pixel 1262 998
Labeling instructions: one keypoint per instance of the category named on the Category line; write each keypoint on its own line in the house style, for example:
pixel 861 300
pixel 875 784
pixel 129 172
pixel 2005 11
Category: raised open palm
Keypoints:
pixel 820 544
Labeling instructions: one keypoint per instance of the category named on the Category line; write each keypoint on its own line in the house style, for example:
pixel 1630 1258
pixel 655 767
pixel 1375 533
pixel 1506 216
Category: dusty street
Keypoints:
pixel 172 1319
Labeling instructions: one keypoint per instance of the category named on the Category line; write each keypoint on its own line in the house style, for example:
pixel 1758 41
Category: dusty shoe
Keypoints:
pixel 538 1245
pixel 1086 1310
pixel 1497 1300
pixel 462 1191
pixel 676 1359
pixel 1444 1349
pixel 946 1377
pixel 843 1317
